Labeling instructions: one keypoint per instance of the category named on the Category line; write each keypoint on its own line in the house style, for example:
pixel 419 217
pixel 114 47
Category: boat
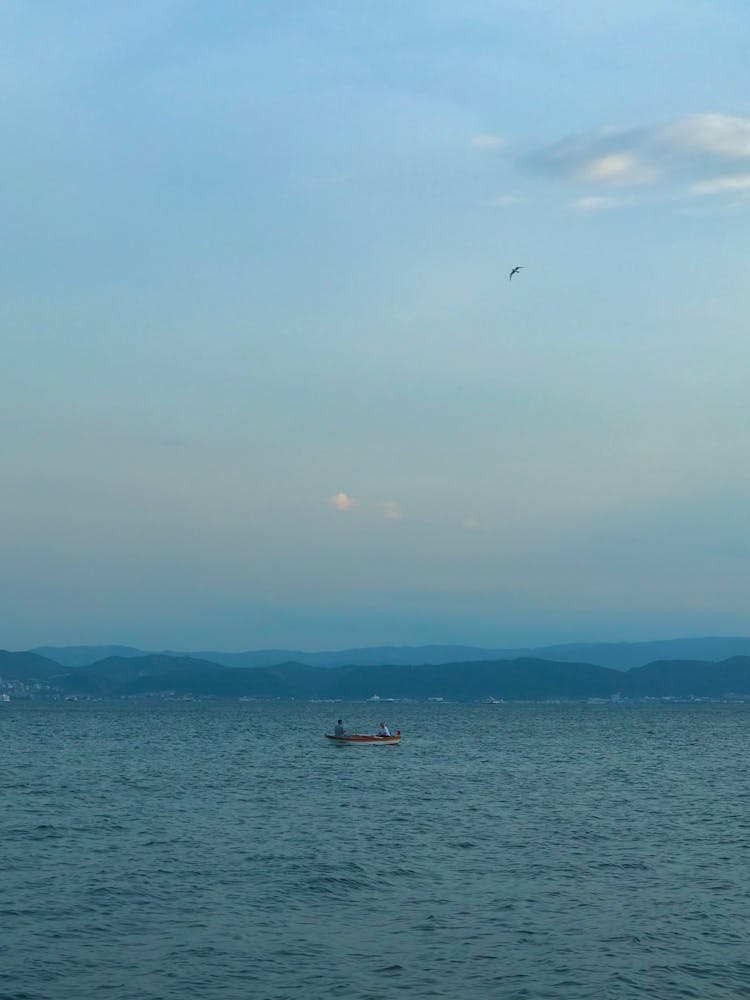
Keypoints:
pixel 359 739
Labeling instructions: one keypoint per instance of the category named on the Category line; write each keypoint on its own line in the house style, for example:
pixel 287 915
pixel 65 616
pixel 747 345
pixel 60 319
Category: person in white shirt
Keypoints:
pixel 383 730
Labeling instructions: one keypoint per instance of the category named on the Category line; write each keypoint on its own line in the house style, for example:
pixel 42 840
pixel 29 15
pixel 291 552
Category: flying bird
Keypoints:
pixel 515 271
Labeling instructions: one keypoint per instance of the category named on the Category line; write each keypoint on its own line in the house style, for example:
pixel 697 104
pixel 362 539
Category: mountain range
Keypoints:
pixel 29 673
pixel 617 655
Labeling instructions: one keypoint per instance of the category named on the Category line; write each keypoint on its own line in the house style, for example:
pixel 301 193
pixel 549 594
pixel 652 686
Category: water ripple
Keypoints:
pixel 222 851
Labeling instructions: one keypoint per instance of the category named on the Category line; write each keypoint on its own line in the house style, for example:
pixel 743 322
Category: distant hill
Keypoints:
pixel 617 655
pixel 624 655
pixel 119 675
pixel 26 667
pixel 520 679
pixel 526 679
pixel 83 656
pixel 695 679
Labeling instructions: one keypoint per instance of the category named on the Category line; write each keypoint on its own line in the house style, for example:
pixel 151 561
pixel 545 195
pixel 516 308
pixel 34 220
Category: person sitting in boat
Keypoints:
pixel 383 729
pixel 338 729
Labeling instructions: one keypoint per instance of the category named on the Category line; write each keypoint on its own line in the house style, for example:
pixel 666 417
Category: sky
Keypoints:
pixel 264 380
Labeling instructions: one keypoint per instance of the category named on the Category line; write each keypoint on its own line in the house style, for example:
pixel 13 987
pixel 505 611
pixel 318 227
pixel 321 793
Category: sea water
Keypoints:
pixel 154 850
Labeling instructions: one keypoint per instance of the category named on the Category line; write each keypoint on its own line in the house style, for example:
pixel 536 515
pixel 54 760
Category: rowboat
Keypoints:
pixel 360 739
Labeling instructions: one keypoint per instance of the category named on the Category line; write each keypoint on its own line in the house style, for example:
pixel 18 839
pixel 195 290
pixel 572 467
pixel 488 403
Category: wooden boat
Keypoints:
pixel 360 739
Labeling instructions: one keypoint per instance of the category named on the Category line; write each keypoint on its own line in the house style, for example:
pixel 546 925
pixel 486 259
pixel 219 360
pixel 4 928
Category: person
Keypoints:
pixel 338 729
pixel 383 730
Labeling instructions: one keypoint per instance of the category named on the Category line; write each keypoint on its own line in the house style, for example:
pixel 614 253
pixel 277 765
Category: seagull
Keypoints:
pixel 515 271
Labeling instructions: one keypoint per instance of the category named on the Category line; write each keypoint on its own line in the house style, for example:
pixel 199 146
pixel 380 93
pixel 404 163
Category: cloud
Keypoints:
pixel 720 136
pixel 388 508
pixel 488 143
pixel 504 201
pixel 735 184
pixel 618 168
pixel 593 203
pixel 694 150
pixel 342 501
pixel 391 510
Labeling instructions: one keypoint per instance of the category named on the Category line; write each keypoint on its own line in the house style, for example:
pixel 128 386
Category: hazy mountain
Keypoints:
pixel 365 656
pixel 188 676
pixel 624 655
pixel 150 664
pixel 83 656
pixel 618 655
pixel 26 666
pixel 526 679
pixel 531 679
pixel 694 679
pixel 118 675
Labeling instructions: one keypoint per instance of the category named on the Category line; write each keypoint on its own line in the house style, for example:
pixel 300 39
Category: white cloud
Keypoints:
pixel 342 501
pixel 470 524
pixel 735 184
pixel 687 150
pixel 504 201
pixel 593 203
pixel 720 136
pixel 391 510
pixel 617 168
pixel 488 143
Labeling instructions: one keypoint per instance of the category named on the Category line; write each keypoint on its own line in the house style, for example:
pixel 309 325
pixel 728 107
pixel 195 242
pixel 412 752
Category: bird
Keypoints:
pixel 515 271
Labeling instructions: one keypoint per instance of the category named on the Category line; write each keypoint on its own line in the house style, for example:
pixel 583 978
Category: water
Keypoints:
pixel 225 851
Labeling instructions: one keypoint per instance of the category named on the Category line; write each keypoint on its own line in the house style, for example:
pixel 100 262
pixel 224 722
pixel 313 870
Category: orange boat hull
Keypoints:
pixel 360 738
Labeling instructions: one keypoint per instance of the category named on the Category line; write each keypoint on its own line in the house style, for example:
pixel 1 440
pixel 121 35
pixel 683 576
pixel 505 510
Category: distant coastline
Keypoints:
pixel 618 655
pixel 29 675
